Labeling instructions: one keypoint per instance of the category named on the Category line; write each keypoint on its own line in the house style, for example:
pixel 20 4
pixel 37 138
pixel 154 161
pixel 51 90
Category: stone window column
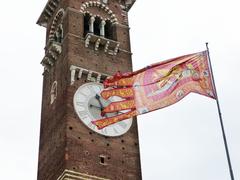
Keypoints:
pixel 91 24
pixel 73 72
pixel 102 28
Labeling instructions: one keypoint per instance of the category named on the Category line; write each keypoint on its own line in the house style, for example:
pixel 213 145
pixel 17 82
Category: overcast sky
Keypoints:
pixel 180 142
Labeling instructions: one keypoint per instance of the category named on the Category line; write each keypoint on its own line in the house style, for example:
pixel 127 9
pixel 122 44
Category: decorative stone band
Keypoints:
pixel 54 49
pixel 77 72
pixel 73 175
pixel 110 47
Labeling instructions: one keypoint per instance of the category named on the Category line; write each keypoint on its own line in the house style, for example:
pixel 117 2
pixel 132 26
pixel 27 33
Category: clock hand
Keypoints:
pixel 101 105
pixel 91 105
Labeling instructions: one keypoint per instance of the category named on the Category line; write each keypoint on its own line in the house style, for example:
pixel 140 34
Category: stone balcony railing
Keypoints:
pixel 110 47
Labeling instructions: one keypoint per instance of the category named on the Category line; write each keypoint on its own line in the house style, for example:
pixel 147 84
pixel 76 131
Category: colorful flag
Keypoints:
pixel 156 86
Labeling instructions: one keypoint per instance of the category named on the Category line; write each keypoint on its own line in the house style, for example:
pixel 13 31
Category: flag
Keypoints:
pixel 156 86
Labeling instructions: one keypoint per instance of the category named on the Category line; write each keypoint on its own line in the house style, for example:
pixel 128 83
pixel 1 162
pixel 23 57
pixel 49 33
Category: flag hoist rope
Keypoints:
pixel 220 117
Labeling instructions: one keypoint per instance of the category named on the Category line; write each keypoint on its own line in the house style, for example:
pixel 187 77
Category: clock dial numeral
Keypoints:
pixel 98 89
pixel 115 130
pixel 92 89
pixel 81 109
pixel 91 125
pixel 81 97
pixel 104 131
pixel 86 92
pixel 84 115
pixel 122 124
pixel 79 103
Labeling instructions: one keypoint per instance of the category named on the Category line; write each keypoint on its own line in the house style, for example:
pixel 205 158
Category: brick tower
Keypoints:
pixel 86 41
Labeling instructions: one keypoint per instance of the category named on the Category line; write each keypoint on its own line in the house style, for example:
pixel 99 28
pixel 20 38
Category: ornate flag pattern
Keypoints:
pixel 157 86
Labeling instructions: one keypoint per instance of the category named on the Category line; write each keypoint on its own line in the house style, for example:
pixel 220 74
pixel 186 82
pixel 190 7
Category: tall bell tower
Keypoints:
pixel 86 41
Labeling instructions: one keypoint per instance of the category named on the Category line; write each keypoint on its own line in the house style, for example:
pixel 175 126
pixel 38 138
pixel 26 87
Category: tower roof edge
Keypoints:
pixel 130 3
pixel 52 5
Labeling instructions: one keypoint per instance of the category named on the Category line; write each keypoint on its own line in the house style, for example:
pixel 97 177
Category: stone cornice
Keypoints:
pixel 52 5
pixel 48 12
pixel 129 4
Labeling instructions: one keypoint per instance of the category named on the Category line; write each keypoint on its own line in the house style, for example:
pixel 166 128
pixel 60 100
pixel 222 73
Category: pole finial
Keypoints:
pixel 207 45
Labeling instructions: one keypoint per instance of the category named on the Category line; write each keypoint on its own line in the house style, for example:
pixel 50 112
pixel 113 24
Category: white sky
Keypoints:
pixel 181 142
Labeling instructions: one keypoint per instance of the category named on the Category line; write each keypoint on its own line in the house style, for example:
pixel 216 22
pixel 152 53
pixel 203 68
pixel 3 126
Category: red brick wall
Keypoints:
pixel 65 142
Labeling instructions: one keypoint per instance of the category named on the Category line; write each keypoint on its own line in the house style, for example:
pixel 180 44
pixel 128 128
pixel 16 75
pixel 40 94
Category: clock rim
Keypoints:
pixel 99 132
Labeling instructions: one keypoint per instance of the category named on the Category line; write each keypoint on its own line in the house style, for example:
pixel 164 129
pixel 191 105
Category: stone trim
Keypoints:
pixel 93 76
pixel 125 51
pixel 73 175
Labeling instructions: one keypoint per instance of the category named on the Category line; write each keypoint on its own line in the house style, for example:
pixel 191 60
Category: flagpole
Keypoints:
pixel 220 117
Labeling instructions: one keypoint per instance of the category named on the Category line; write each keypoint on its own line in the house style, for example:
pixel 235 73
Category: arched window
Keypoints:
pixel 86 23
pixel 109 30
pixel 97 24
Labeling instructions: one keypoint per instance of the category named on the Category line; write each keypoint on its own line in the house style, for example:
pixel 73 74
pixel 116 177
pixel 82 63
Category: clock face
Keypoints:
pixel 88 105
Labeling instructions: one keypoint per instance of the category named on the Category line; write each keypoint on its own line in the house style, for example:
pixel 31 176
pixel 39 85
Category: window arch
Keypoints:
pixel 56 29
pixel 103 25
pixel 99 26
pixel 103 7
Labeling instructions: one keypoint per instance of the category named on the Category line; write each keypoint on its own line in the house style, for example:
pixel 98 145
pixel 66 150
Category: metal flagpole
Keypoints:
pixel 220 117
